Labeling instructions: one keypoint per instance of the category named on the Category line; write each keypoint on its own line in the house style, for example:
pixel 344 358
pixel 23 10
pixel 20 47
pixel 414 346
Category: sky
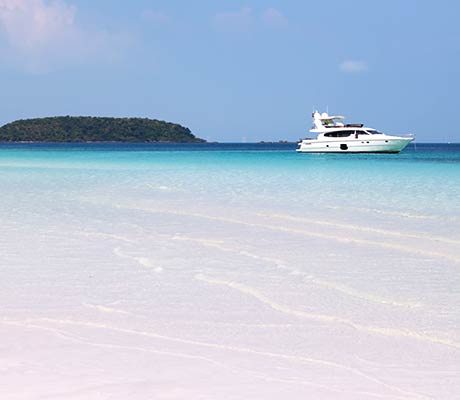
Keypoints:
pixel 234 70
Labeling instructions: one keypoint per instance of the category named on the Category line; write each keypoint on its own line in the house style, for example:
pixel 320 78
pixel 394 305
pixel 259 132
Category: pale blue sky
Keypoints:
pixel 235 70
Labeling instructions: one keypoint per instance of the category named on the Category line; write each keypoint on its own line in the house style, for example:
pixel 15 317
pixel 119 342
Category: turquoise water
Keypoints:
pixel 182 271
pixel 420 181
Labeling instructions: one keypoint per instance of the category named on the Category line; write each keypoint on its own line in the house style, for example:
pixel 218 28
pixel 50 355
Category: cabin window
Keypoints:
pixel 375 132
pixel 362 133
pixel 338 134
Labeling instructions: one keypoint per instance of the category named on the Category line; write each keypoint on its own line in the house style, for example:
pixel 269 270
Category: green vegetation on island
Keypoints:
pixel 95 129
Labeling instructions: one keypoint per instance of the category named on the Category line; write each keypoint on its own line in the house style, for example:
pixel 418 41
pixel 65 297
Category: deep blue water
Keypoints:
pixel 426 151
pixel 410 149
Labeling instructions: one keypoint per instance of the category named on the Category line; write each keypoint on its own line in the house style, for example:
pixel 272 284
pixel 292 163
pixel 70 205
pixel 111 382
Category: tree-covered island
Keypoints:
pixel 95 129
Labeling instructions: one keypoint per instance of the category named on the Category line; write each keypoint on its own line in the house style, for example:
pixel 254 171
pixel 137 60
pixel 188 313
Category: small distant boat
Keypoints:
pixel 334 136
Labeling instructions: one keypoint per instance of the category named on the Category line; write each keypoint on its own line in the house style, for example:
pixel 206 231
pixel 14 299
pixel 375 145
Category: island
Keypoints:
pixel 95 129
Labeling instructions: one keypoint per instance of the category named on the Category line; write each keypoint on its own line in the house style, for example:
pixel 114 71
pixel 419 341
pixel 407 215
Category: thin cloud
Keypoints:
pixel 41 35
pixel 353 66
pixel 274 18
pixel 244 19
pixel 238 21
pixel 156 17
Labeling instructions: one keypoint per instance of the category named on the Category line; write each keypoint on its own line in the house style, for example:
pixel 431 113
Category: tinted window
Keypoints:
pixel 338 134
pixel 362 133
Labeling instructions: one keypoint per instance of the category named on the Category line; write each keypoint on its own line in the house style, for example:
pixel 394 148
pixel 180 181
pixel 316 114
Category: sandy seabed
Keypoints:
pixel 134 284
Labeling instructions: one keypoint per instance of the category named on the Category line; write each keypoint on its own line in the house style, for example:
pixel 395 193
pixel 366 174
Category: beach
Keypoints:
pixel 209 271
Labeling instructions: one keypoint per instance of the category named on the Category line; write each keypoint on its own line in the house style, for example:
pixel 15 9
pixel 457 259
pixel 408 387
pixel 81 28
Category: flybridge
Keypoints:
pixel 324 120
pixel 326 117
pixel 354 125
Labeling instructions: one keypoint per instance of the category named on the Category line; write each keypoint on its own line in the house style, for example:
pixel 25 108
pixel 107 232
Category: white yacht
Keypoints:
pixel 333 136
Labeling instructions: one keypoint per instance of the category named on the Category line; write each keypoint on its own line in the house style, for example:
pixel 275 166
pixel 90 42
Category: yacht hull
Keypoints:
pixel 385 145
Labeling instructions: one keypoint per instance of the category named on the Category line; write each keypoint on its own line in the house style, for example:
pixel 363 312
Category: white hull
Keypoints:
pixel 387 144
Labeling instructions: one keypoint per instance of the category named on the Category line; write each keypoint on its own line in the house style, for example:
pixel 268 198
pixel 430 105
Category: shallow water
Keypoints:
pixel 228 271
